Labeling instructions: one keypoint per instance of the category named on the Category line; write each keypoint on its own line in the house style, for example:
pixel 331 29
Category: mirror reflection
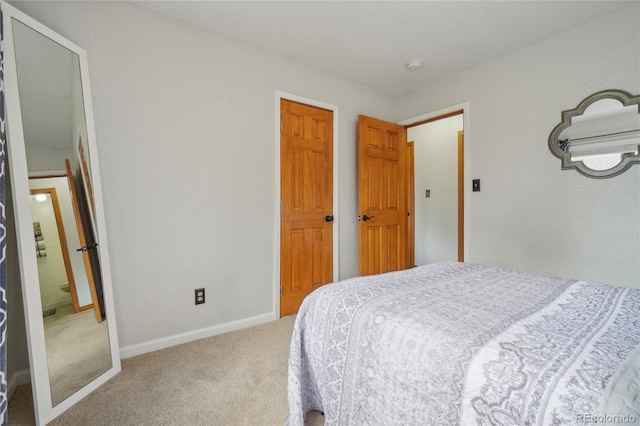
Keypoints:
pixel 65 244
pixel 601 137
pixel 604 134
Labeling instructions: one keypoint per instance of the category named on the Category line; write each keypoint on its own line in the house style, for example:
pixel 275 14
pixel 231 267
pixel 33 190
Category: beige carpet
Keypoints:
pixel 77 352
pixel 237 378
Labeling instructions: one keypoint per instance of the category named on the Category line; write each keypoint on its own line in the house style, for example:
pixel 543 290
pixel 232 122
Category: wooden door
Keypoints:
pixel 83 243
pixel 382 206
pixel 306 211
pixel 411 206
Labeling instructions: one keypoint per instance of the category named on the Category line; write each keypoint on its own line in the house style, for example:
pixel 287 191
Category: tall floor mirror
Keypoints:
pixel 61 232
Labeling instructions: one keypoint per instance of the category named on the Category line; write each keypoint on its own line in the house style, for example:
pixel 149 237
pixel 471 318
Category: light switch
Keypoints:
pixel 427 193
pixel 476 185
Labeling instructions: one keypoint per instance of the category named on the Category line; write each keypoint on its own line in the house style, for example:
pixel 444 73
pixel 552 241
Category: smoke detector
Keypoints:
pixel 414 65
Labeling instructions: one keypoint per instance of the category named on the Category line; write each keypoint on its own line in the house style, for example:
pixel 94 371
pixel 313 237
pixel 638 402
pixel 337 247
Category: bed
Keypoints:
pixel 461 343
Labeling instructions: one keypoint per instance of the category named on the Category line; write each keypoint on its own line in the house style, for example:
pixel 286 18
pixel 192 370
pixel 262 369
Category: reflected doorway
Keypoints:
pixel 57 283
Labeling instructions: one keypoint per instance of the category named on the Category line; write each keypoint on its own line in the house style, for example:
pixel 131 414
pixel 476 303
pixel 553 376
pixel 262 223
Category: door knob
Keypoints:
pixel 328 218
pixel 366 218
pixel 90 247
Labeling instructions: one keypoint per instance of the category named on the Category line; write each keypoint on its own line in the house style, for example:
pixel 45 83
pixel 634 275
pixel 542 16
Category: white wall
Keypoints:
pixel 79 123
pixel 436 169
pixel 48 98
pixel 185 127
pixel 530 214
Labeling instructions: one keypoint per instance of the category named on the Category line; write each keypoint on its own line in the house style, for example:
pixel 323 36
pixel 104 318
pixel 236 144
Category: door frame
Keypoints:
pixel 465 107
pixel 336 213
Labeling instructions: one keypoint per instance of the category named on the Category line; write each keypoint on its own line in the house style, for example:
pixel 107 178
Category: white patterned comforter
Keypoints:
pixel 460 343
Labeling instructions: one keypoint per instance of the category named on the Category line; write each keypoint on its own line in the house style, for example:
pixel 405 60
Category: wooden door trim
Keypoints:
pixel 463 108
pixel 279 95
pixel 461 196
pixel 435 118
pixel 411 206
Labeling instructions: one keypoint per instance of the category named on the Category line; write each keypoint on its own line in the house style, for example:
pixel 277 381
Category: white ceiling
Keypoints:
pixel 370 42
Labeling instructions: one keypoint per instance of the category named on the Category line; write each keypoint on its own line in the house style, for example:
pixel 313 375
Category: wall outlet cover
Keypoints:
pixel 199 294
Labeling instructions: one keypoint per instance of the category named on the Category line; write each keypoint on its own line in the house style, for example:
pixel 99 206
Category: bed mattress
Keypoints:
pixel 461 343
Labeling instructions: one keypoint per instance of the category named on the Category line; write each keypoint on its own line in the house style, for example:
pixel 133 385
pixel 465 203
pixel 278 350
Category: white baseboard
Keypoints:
pixel 16 379
pixel 179 339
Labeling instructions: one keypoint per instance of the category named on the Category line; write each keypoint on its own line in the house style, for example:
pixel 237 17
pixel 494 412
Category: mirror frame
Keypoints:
pixel 43 407
pixel 563 154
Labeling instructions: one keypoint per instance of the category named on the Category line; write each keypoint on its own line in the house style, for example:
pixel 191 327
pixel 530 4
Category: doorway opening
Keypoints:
pixel 438 199
pixel 391 209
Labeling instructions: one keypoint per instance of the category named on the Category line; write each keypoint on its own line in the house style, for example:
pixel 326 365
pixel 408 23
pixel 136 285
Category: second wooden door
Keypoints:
pixel 382 196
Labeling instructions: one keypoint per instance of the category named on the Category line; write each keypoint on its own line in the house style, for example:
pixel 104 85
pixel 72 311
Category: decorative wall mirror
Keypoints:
pixel 600 138
pixel 62 247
